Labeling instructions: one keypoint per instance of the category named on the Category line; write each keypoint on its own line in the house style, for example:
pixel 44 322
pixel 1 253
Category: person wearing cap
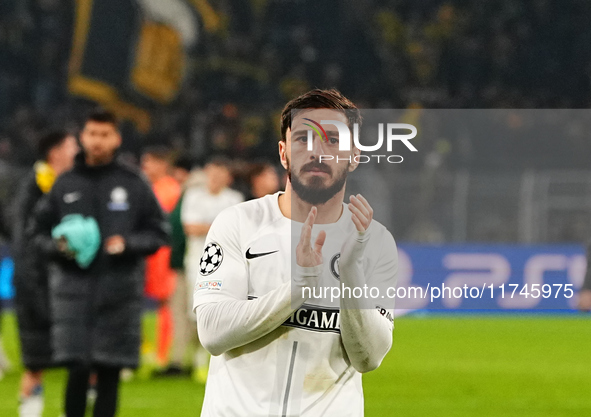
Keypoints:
pixel 97 224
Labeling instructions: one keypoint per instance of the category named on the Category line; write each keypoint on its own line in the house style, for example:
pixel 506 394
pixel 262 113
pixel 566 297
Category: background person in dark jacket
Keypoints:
pixel 56 150
pixel 97 309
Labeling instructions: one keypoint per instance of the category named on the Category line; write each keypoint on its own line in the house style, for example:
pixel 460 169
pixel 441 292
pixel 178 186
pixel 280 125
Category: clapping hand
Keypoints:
pixel 308 255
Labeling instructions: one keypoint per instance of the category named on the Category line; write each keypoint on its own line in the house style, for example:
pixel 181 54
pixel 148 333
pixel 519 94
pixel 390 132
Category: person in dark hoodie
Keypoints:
pixel 98 223
pixel 56 155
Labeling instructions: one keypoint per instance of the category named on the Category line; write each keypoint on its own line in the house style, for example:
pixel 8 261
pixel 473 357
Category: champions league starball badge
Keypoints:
pixel 211 259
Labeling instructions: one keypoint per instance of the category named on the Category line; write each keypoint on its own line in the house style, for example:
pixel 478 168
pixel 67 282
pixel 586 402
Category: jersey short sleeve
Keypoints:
pixel 222 268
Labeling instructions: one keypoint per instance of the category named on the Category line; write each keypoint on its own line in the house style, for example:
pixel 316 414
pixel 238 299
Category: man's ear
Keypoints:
pixel 283 153
pixel 119 139
pixel 355 159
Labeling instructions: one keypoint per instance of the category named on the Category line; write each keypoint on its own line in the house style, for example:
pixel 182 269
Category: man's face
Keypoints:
pixel 313 180
pixel 63 154
pixel 267 182
pixel 181 175
pixel 100 140
pixel 218 177
pixel 154 168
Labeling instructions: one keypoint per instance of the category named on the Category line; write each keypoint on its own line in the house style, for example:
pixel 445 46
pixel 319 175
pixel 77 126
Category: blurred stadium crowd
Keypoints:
pixel 257 54
pixel 252 56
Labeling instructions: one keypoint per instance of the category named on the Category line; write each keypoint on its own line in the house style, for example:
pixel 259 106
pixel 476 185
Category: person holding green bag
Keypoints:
pixel 98 223
pixel 80 237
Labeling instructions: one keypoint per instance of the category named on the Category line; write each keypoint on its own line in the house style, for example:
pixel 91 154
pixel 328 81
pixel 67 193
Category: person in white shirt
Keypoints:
pixel 200 206
pixel 276 351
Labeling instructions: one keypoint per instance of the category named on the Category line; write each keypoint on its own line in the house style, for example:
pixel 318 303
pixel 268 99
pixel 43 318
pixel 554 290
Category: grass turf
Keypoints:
pixel 439 366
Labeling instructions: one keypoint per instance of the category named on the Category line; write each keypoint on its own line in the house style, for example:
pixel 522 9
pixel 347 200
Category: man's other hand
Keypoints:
pixel 115 245
pixel 62 246
pixel 306 254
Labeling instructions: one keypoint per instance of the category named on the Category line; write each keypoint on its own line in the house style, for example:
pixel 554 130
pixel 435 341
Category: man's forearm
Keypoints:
pixel 145 243
pixel 367 337
pixel 228 324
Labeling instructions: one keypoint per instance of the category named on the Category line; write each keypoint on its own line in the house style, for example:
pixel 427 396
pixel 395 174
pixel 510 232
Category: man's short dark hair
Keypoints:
pixel 319 99
pixel 49 141
pixel 160 152
pixel 220 161
pixel 257 168
pixel 100 115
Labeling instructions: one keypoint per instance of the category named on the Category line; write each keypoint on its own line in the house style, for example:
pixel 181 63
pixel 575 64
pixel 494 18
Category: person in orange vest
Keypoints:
pixel 160 277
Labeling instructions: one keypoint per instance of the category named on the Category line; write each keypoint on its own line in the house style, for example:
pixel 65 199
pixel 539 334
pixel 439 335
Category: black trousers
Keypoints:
pixel 107 387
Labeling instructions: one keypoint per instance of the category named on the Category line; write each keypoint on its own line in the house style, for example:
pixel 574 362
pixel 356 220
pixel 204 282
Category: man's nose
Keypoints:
pixel 317 147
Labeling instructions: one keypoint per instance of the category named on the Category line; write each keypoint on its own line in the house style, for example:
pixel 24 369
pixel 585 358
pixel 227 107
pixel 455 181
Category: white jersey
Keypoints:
pixel 301 368
pixel 200 206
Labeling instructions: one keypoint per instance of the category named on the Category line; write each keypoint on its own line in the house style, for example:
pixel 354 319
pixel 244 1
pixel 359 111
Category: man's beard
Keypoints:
pixel 315 193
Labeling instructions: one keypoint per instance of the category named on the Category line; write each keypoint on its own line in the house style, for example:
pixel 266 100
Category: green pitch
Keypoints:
pixel 439 366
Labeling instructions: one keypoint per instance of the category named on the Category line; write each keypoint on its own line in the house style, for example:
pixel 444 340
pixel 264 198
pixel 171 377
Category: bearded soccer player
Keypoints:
pixel 275 351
